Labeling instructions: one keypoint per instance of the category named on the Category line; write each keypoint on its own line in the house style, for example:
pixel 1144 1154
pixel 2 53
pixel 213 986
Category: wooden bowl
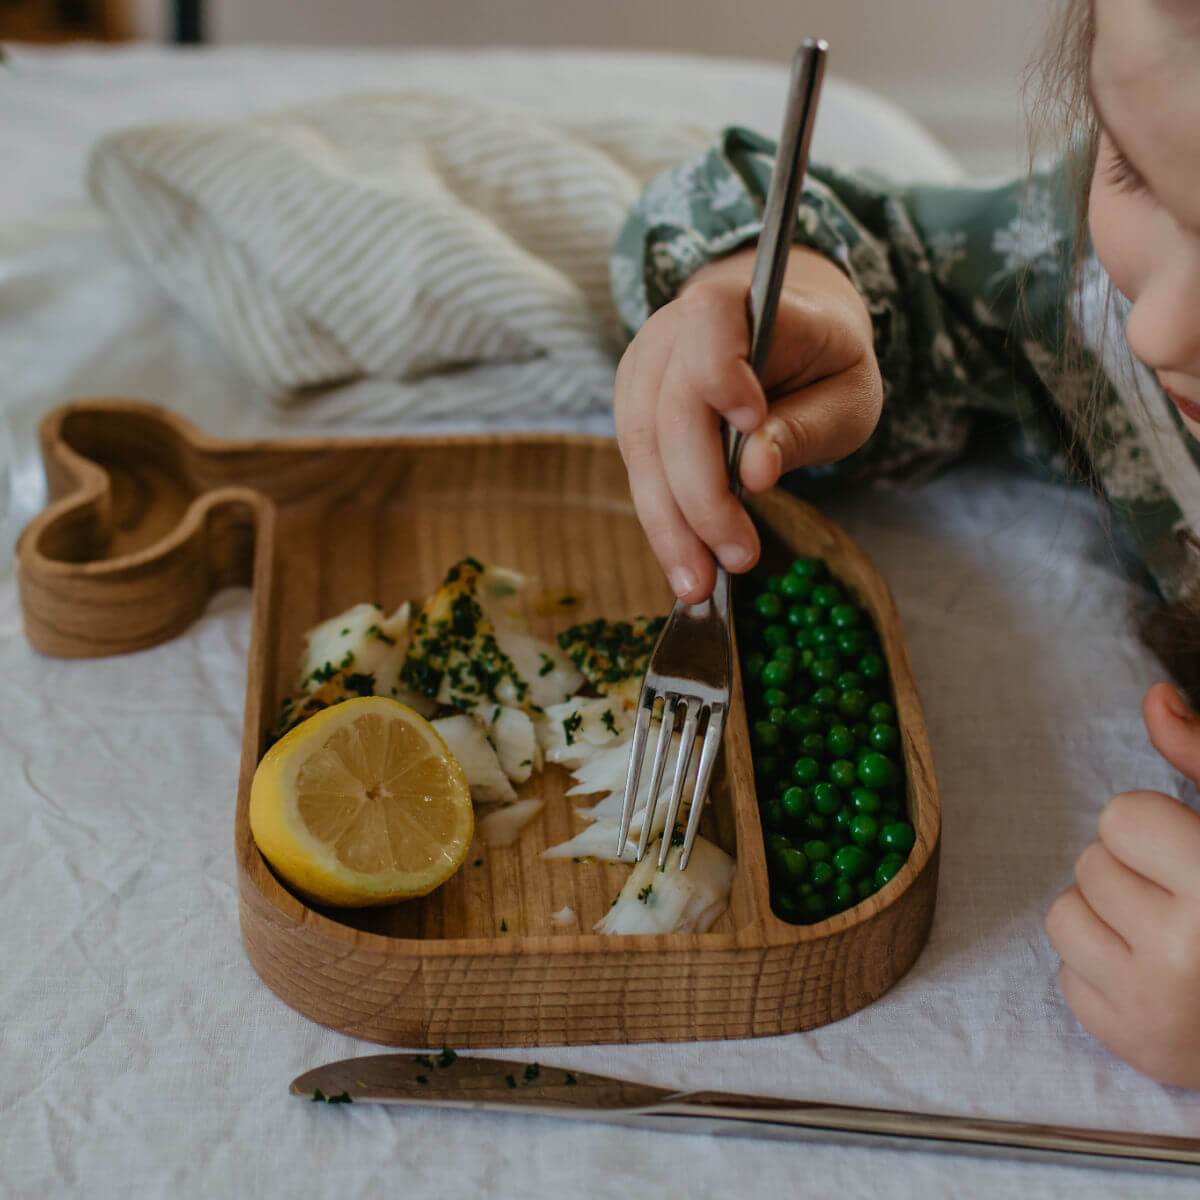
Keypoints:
pixel 150 517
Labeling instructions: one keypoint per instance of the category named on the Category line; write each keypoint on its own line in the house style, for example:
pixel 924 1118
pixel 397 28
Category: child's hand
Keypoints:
pixel 688 367
pixel 1128 930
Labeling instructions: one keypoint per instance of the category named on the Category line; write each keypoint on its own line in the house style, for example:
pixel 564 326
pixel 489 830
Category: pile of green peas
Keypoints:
pixel 828 767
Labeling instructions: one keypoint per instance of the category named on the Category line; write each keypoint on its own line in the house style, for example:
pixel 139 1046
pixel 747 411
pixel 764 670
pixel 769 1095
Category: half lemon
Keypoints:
pixel 362 804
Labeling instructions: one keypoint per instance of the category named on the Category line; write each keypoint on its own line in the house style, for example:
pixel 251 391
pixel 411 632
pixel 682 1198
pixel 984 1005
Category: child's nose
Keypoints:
pixel 1163 327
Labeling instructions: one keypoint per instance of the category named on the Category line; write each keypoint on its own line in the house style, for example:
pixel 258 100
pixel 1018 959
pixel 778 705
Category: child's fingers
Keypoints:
pixel 1093 1010
pixel 1156 836
pixel 709 361
pixel 684 559
pixel 1127 902
pixel 819 424
pixel 693 459
pixel 1084 942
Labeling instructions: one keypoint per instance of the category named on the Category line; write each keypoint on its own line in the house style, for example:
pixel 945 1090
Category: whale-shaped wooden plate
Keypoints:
pixel 149 517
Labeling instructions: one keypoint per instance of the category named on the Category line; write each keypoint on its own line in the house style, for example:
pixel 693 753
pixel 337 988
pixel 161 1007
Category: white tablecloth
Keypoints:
pixel 141 1055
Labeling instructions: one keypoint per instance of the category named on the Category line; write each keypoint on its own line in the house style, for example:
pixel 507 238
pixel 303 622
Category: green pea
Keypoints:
pixel 820 874
pixel 865 888
pixel 864 829
pixel 803 718
pixel 785 654
pixel 842 772
pixel 795 618
pixel 827 798
pixel 849 641
pixel 777 716
pixel 777 635
pixel 849 679
pixel 876 771
pixel 766 735
pixel 795 587
pixel 816 851
pixel 812 616
pixel 807 568
pixel 842 895
pixel 826 595
pixel 774 583
pixel 793 863
pixel 768 605
pixel 813 744
pixel 892 807
pixel 814 907
pixel 824 697
pixel 773 814
pixel 861 731
pixel 802 639
pixel 777 674
pixel 870 666
pixel 766 766
pixel 882 713
pixel 888 867
pixel 806 770
pixel 844 616
pixel 884 737
pixel 852 702
pixel 775 698
pixel 794 803
pixel 865 801
pixel 804 889
pixel 754 664
pixel 851 861
pixel 815 823
pixel 842 820
pixel 898 837
pixel 825 670
pixel 785 906
pixel 839 741
pixel 776 845
pixel 824 636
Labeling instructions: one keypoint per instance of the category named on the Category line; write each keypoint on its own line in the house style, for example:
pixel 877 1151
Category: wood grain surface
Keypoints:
pixel 149 517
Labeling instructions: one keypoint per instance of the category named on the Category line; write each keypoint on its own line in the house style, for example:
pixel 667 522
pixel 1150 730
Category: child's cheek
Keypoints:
pixel 1113 223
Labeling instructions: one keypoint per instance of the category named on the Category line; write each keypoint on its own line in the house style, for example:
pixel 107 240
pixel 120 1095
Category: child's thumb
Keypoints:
pixel 1174 729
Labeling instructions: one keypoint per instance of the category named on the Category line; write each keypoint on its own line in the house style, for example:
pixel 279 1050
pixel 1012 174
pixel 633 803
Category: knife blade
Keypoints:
pixel 450 1081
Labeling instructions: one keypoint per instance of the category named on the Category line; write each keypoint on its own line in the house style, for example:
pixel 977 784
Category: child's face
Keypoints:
pixel 1144 210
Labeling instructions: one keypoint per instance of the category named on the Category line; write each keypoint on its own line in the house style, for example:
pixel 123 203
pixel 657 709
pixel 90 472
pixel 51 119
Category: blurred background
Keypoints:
pixel 958 67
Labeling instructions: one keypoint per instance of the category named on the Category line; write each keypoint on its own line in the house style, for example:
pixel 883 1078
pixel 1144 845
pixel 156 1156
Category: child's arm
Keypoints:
pixel 934 271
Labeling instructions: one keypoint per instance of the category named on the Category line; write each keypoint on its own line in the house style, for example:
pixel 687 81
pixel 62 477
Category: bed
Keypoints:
pixel 143 1056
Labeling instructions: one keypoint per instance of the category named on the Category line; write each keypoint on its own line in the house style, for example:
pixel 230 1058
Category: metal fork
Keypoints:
pixel 690 668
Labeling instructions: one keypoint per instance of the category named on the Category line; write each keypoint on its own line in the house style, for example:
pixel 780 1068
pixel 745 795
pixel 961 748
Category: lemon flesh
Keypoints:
pixel 362 804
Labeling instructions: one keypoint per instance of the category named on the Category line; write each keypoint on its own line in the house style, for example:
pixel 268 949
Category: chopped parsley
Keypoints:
pixel 609 721
pixel 646 892
pixel 532 1072
pixel 360 683
pixel 323 674
pixel 423 1060
pixel 386 638
pixel 503 925
pixel 676 837
pixel 511 1080
pixel 447 1058
pixel 571 726
pixel 348 661
pixel 608 652
pixel 344 632
pixel 547 664
pixel 570 1080
pixel 422 1078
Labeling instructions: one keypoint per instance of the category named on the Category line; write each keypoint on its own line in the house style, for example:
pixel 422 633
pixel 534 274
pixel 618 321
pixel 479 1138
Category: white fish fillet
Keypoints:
pixel 605 771
pixel 511 733
pixel 364 641
pixel 503 826
pixel 564 916
pixel 571 732
pixel 466 741
pixel 673 901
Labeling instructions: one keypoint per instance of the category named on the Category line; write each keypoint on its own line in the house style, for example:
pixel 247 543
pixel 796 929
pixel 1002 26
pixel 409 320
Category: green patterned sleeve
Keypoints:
pixel 937 266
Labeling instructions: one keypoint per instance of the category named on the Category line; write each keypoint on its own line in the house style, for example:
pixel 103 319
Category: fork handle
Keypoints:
pixel 783 198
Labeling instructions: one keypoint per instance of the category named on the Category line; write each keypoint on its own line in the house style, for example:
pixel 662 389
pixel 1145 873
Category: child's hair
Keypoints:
pixel 1062 114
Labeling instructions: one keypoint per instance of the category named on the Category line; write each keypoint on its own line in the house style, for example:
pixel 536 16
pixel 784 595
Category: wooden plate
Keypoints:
pixel 150 516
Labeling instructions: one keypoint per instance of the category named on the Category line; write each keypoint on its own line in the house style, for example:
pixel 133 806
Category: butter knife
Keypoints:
pixel 448 1081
